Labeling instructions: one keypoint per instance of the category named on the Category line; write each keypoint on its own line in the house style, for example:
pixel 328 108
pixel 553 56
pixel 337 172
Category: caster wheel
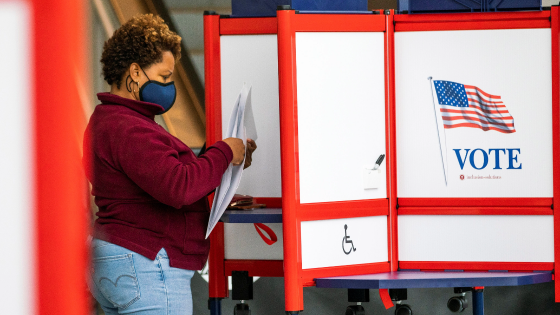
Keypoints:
pixel 355 310
pixel 403 310
pixel 457 304
pixel 241 309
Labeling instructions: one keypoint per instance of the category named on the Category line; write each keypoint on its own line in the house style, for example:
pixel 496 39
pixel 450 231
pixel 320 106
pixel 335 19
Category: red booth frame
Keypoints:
pixel 492 206
pixel 293 212
pixel 285 26
pixel 214 27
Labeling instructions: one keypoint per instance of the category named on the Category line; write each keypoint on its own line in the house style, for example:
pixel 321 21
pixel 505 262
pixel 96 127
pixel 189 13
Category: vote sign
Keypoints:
pixel 474 113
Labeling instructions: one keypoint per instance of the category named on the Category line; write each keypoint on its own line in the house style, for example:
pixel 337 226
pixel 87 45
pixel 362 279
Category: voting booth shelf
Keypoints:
pixel 464 106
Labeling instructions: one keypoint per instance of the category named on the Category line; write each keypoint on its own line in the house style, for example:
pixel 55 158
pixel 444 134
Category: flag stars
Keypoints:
pixel 451 93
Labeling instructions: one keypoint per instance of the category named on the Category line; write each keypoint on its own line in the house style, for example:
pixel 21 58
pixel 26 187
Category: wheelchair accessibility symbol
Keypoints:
pixel 346 240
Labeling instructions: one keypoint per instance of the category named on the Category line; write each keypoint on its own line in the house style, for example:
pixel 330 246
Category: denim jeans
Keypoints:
pixel 124 282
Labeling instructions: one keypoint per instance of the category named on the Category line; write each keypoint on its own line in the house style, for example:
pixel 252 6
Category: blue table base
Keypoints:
pixel 439 279
pixel 215 306
pixel 427 279
pixel 478 302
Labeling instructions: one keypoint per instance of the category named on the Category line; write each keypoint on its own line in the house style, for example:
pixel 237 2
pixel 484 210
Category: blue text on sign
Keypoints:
pixel 512 154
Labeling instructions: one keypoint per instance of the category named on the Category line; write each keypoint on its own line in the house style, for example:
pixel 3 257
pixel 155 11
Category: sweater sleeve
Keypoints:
pixel 147 158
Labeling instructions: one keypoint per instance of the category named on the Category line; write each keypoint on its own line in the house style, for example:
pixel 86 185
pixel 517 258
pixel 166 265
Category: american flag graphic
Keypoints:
pixel 468 106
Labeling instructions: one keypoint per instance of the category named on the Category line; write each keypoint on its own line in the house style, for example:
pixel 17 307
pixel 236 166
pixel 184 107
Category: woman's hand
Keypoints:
pixel 251 147
pixel 237 148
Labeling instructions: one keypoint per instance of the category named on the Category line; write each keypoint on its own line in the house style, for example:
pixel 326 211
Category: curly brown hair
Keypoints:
pixel 142 39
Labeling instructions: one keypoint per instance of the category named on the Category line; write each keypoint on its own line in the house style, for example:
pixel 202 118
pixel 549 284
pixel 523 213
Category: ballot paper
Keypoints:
pixel 242 126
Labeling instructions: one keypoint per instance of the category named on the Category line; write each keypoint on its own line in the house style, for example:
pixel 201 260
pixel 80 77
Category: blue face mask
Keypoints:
pixel 163 94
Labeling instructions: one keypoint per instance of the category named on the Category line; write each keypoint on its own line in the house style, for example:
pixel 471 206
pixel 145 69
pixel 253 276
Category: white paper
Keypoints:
pixel 241 125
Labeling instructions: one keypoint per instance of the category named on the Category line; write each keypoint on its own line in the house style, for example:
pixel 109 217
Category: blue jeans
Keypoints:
pixel 124 282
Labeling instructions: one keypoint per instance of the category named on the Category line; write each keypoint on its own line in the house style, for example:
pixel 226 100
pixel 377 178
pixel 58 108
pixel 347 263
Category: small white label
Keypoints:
pixel 372 178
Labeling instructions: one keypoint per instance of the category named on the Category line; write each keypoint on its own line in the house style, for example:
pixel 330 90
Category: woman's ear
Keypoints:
pixel 134 72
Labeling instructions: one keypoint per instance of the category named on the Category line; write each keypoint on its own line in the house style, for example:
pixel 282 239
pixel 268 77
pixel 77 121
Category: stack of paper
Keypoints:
pixel 242 126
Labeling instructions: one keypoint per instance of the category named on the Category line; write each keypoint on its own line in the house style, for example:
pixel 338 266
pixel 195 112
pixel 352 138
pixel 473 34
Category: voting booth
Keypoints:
pixel 242 51
pixel 464 108
pixel 333 113
pixel 325 185
pixel 477 140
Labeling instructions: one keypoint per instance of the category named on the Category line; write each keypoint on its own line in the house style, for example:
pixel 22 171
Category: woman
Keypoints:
pixel 150 188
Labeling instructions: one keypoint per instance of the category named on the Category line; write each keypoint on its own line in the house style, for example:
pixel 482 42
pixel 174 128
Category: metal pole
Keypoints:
pixel 215 306
pixel 478 301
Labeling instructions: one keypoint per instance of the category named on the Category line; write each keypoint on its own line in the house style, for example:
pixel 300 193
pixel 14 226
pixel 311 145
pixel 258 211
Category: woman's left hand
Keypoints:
pixel 251 147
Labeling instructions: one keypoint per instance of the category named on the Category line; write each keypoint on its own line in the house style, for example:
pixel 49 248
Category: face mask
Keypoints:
pixel 163 94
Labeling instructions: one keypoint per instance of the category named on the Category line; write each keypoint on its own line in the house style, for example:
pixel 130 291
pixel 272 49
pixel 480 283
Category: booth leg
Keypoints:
pixel 399 295
pixel 215 306
pixel 358 296
pixel 478 301
pixel 242 285
pixel 242 289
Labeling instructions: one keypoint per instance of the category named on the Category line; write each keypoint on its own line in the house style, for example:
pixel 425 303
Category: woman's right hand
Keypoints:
pixel 238 149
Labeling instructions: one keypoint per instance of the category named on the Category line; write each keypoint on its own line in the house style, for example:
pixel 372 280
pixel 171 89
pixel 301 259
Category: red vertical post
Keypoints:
pixel 555 31
pixel 289 157
pixel 217 282
pixel 391 140
pixel 212 78
pixel 217 279
pixel 61 200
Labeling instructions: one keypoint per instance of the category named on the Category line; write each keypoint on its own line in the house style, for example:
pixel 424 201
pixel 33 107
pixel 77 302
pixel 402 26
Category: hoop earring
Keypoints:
pixel 128 88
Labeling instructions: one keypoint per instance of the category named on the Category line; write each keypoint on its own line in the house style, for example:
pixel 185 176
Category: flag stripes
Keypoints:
pixel 469 106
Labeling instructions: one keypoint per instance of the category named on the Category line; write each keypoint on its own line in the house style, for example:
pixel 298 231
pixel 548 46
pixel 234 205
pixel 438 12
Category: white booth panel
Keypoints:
pixel 491 238
pixel 242 241
pixel 512 64
pixel 253 59
pixel 17 224
pixel 326 243
pixel 341 114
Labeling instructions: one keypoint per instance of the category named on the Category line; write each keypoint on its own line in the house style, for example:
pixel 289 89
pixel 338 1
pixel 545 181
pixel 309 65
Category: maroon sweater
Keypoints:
pixel 149 186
